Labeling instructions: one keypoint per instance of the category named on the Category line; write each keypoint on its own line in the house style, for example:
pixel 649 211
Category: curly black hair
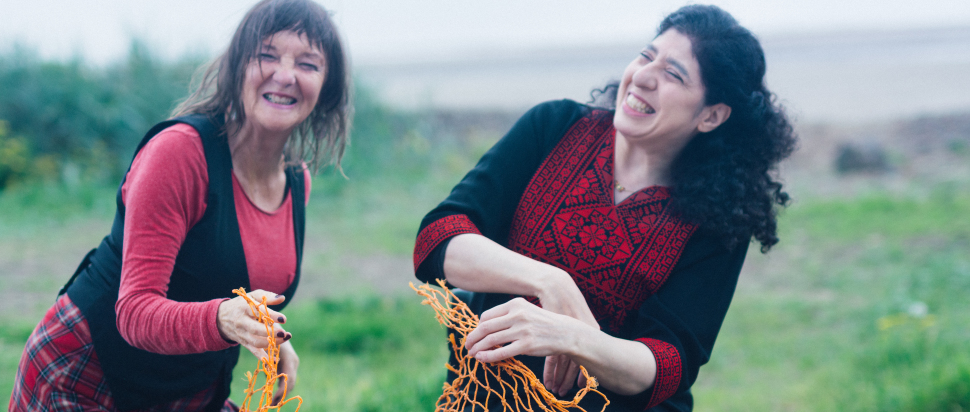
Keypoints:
pixel 723 180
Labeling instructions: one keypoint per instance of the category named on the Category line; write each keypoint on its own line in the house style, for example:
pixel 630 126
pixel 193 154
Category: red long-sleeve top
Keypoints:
pixel 164 196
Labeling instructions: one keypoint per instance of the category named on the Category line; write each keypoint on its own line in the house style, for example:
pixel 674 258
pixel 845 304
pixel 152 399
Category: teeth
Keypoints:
pixel 279 99
pixel 638 105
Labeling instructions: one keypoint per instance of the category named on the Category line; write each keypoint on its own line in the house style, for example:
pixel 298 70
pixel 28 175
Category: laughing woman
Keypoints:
pixel 214 200
pixel 624 228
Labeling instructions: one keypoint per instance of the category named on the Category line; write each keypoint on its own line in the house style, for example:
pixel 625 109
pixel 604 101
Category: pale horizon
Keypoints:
pixel 382 31
pixel 828 60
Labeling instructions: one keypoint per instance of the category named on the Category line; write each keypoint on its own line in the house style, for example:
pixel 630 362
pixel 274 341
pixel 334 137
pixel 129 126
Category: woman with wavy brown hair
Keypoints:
pixel 625 227
pixel 214 200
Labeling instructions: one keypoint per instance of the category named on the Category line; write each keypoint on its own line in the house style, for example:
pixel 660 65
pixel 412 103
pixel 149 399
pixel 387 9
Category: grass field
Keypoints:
pixel 861 307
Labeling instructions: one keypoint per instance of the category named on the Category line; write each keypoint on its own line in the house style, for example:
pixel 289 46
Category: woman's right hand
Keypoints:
pixel 236 322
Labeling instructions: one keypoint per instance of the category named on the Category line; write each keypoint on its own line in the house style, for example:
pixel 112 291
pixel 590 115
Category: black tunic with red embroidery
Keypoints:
pixel 545 191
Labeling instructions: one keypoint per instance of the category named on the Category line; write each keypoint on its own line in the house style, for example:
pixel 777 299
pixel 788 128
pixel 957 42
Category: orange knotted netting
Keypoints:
pixel 511 374
pixel 266 365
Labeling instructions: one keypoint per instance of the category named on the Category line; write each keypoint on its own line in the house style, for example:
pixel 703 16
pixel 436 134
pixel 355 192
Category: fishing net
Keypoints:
pixel 266 366
pixel 507 385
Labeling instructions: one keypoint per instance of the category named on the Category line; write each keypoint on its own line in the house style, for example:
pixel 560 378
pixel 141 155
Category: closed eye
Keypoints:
pixel 266 57
pixel 675 75
pixel 310 66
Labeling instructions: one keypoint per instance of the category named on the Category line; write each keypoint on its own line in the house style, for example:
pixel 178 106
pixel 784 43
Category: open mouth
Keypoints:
pixel 273 98
pixel 638 105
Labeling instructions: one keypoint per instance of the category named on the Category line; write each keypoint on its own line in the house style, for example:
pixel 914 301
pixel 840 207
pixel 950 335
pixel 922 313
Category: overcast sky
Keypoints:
pixel 392 30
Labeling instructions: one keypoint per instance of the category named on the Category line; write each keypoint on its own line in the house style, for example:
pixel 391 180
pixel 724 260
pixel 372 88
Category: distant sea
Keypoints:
pixel 843 77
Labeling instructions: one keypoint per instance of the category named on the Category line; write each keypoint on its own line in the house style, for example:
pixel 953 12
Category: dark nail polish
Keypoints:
pixel 288 336
pixel 280 334
pixel 281 319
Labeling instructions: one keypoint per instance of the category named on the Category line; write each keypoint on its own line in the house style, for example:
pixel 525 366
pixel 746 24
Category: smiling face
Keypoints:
pixel 661 96
pixel 282 83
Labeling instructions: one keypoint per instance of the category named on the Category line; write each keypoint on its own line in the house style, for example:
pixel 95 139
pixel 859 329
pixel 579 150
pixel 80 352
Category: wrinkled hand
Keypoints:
pixel 521 328
pixel 560 372
pixel 518 327
pixel 237 323
pixel 288 365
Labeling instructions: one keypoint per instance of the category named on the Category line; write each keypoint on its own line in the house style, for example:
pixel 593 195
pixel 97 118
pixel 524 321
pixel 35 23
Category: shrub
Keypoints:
pixel 14 157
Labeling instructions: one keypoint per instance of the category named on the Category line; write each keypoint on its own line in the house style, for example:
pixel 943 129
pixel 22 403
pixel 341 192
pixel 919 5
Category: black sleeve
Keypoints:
pixel 681 321
pixel 485 200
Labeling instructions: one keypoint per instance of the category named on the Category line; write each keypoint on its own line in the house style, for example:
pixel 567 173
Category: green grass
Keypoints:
pixel 380 211
pixel 803 332
pixel 882 214
pixel 805 335
pixel 363 354
pixel 37 206
pixel 13 335
pixel 372 215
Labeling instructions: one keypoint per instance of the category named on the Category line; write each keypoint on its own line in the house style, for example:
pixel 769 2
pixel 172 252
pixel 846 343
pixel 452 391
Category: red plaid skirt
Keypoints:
pixel 59 370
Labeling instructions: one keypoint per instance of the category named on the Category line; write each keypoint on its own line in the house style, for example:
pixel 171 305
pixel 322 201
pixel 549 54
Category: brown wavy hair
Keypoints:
pixel 323 137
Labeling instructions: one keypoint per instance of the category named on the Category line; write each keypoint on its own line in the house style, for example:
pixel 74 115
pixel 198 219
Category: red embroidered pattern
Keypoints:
pixel 619 255
pixel 668 370
pixel 438 231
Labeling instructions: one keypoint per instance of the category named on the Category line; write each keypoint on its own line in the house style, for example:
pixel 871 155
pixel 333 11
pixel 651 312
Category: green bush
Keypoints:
pixel 14 157
pixel 85 121
pixel 90 117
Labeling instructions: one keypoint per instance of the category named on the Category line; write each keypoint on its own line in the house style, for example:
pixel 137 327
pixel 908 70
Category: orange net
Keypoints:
pixel 267 365
pixel 519 389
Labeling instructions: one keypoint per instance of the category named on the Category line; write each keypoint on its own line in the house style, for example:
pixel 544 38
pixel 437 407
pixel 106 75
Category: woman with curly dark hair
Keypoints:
pixel 625 229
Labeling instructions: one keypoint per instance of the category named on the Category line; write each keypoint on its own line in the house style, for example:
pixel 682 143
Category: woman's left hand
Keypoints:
pixel 521 328
pixel 288 365
pixel 559 374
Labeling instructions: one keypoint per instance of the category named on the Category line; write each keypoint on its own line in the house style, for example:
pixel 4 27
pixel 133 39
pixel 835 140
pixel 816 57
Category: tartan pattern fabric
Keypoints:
pixel 59 370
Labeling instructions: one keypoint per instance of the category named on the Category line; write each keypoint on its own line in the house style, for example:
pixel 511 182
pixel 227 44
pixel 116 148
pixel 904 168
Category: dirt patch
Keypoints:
pixel 35 264
pixel 922 154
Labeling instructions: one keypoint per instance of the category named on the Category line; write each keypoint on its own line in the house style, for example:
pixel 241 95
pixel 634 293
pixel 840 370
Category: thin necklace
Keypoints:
pixel 619 187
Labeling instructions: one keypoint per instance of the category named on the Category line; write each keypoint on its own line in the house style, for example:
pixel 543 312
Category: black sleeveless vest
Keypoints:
pixel 209 264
